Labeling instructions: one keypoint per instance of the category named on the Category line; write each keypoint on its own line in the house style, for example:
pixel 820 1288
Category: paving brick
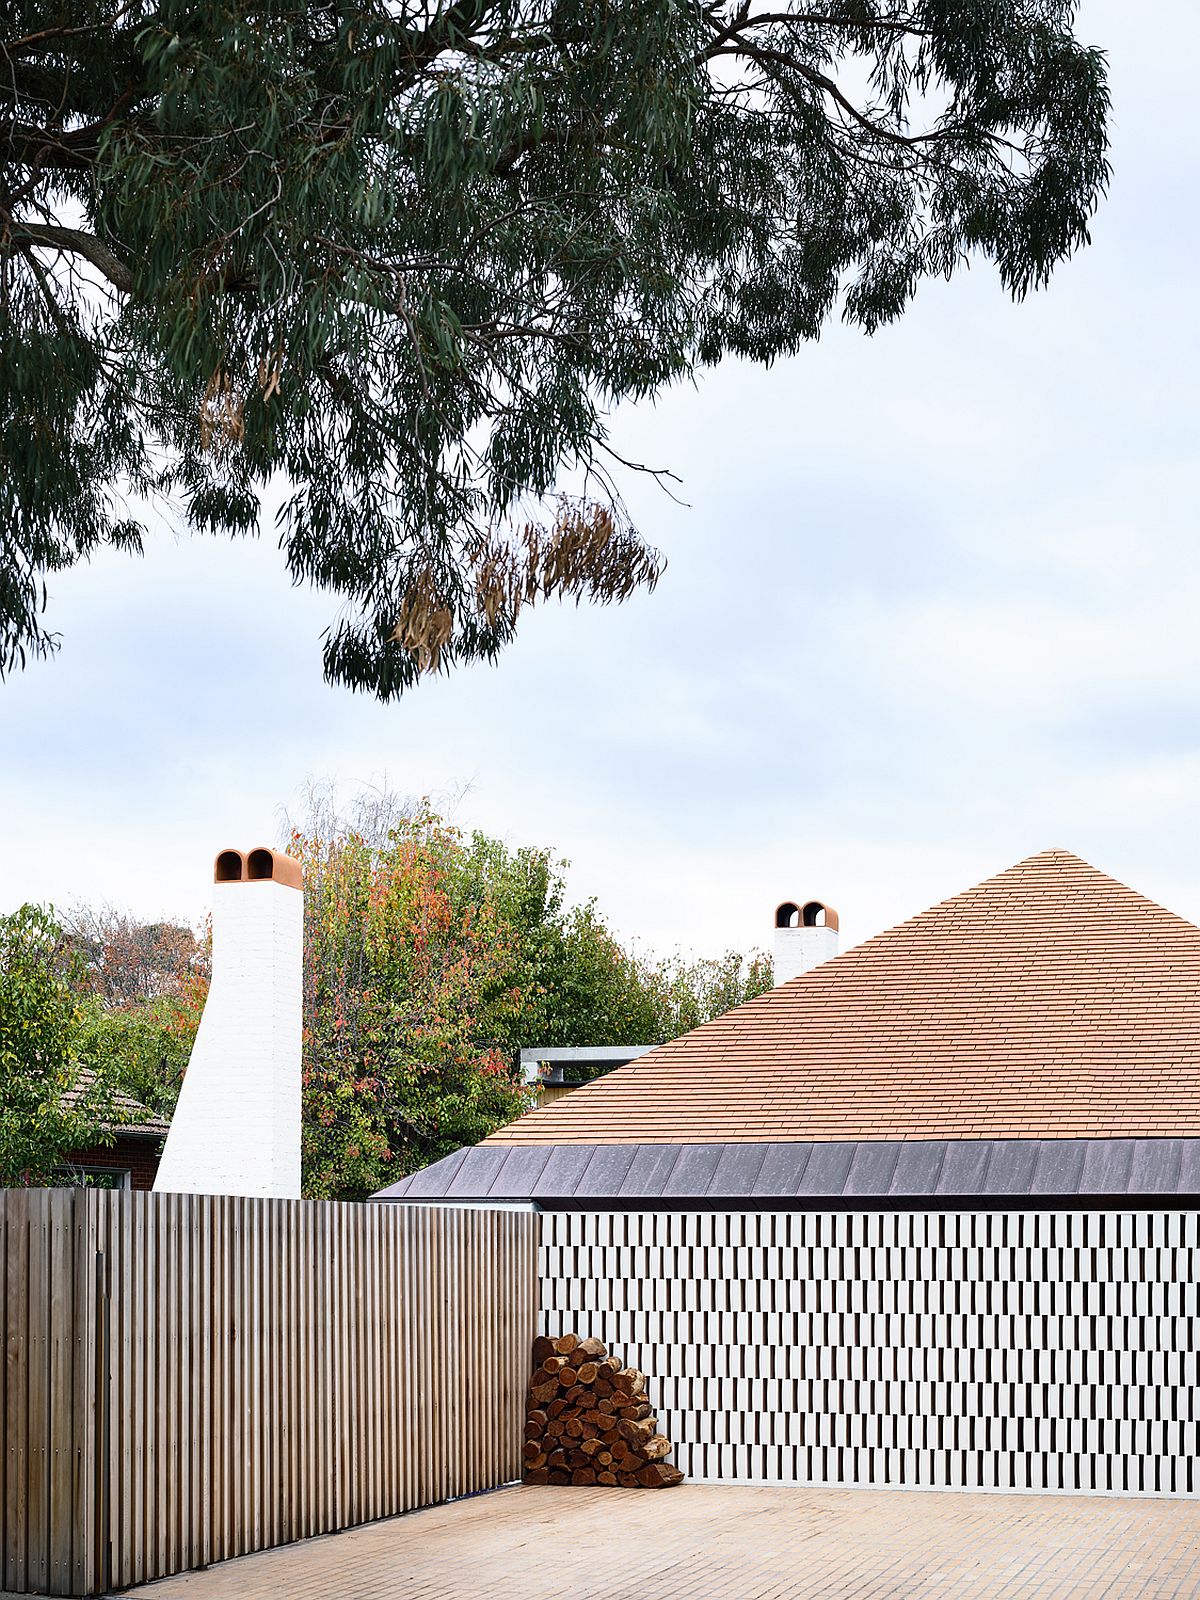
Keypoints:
pixel 708 1542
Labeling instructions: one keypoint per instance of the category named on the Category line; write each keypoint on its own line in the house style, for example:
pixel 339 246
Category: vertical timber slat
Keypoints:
pixel 186 1378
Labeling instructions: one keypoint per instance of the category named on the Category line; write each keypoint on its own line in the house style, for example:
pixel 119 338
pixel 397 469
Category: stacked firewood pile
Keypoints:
pixel 589 1420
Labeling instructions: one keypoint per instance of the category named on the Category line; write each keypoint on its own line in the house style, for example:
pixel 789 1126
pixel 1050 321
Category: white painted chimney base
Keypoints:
pixel 799 950
pixel 236 1129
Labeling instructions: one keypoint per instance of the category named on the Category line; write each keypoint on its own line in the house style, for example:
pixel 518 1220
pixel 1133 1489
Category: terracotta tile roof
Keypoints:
pixel 1049 1002
pixel 126 1115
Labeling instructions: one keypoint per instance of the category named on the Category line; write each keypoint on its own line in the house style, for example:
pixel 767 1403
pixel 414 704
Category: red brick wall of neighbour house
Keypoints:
pixel 139 1157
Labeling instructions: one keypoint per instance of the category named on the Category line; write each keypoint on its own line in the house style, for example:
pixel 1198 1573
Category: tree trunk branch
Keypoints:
pixel 46 235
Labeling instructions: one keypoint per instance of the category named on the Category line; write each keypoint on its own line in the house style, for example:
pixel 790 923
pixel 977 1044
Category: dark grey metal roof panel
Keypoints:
pixel 606 1171
pixel 562 1172
pixel 838 1173
pixel 1010 1170
pixel 1189 1167
pixel 521 1170
pixel 781 1171
pixel 738 1170
pixel 964 1167
pixel 1106 1166
pixel 649 1170
pixel 1155 1166
pixel 919 1168
pixel 477 1173
pixel 872 1168
pixel 1058 1166
pixel 827 1170
pixel 692 1173
pixel 435 1180
pixel 430 1183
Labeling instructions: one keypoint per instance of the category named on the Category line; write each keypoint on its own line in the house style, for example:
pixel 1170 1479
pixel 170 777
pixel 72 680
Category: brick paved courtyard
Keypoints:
pixel 727 1543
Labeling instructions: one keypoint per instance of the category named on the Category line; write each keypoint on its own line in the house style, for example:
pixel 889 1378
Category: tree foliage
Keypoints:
pixel 406 1001
pixel 401 256
pixel 690 992
pixel 145 1046
pixel 431 959
pixel 143 985
pixel 50 1100
pixel 127 963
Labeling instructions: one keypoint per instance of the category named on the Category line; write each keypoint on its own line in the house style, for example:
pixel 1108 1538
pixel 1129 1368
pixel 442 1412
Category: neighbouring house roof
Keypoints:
pixel 127 1115
pixel 1047 1021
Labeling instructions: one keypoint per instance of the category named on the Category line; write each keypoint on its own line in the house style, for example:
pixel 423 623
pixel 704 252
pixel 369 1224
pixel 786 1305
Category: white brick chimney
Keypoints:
pixel 805 935
pixel 236 1129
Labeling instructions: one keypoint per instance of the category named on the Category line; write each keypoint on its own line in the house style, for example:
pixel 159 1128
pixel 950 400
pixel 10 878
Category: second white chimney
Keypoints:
pixel 805 935
pixel 236 1129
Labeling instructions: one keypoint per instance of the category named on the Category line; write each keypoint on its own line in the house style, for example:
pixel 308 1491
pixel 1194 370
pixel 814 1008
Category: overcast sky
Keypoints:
pixel 931 606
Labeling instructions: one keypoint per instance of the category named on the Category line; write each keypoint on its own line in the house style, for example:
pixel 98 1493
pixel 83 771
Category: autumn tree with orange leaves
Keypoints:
pixel 431 957
pixel 143 986
pixel 409 999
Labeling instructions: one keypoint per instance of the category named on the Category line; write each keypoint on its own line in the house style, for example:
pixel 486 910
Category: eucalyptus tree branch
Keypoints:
pixel 807 19
pixel 766 54
pixel 13 46
pixel 46 147
pixel 409 255
pixel 75 242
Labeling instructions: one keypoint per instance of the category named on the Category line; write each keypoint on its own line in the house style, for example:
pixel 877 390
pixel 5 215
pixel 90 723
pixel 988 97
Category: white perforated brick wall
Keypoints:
pixel 1018 1350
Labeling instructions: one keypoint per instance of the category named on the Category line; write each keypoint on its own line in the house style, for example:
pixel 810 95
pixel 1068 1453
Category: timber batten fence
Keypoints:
pixel 186 1378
